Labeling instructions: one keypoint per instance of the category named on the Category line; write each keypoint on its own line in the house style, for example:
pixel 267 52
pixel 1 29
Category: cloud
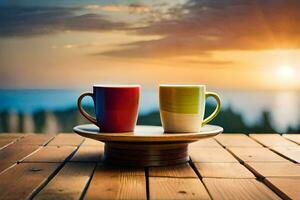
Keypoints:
pixel 130 8
pixel 156 48
pixel 81 45
pixel 196 27
pixel 202 26
pixel 210 62
pixel 30 21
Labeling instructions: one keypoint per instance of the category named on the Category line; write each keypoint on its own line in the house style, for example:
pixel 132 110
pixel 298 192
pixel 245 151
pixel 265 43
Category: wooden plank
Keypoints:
pixel 175 182
pixel 293 137
pixel 66 139
pixel 287 169
pixel 36 139
pixel 253 154
pixel 50 154
pixel 286 188
pixel 5 142
pixel 91 142
pixel 11 135
pixel 272 140
pixel 11 154
pixel 22 180
pixel 209 142
pixel 88 154
pixel 4 165
pixel 117 183
pixel 293 153
pixel 199 154
pixel 238 189
pixel 7 139
pixel 69 183
pixel 236 140
pixel 223 170
pixel 179 171
pixel 176 188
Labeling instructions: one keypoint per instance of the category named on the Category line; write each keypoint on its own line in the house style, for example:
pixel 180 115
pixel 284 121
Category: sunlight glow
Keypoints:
pixel 285 72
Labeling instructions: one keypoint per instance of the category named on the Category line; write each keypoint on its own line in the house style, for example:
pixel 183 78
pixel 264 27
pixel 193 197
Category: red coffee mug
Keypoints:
pixel 116 107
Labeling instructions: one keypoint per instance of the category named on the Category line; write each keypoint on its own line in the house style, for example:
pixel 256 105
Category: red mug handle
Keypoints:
pixel 82 111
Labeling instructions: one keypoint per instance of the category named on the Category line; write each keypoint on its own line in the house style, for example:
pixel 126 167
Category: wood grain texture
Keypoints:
pixel 145 154
pixel 223 170
pixel 66 139
pixel 293 137
pixel 35 139
pixel 209 142
pixel 11 154
pixel 50 154
pixel 5 142
pixel 287 169
pixel 223 175
pixel 179 171
pixel 161 188
pixel 292 153
pixel 253 154
pixel 7 139
pixel 23 179
pixel 236 140
pixel 239 189
pixel 69 183
pixel 92 142
pixel 286 188
pixel 88 154
pixel 147 134
pixel 12 135
pixel 4 165
pixel 146 146
pixel 199 154
pixel 117 183
pixel 272 140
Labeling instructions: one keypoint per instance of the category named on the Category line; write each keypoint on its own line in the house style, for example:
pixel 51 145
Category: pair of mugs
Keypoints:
pixel 181 107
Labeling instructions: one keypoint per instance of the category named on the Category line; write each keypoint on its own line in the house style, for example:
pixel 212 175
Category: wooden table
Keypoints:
pixel 229 166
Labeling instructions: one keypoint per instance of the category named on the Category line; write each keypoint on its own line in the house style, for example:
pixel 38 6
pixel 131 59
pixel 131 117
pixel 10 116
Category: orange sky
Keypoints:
pixel 245 45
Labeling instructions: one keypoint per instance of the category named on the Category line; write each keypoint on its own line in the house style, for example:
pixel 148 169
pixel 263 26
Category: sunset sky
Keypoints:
pixel 227 44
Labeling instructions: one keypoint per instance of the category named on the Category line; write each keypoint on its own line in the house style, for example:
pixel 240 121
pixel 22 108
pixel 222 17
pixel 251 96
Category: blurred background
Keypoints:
pixel 247 51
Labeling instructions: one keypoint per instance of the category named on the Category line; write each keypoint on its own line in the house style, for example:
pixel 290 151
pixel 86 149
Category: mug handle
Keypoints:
pixel 217 109
pixel 82 111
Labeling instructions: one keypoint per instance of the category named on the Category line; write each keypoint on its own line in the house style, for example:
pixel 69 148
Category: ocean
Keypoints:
pixel 284 106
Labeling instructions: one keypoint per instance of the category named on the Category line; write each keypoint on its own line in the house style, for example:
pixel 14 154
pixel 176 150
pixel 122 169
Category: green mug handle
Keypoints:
pixel 217 109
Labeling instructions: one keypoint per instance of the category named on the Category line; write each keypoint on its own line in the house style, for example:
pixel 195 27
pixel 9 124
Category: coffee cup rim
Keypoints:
pixel 116 86
pixel 180 85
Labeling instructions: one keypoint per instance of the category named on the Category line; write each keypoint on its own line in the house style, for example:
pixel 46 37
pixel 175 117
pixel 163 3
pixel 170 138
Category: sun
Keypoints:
pixel 285 72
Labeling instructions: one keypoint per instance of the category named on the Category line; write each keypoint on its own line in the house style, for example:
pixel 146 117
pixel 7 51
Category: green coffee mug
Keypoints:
pixel 182 107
